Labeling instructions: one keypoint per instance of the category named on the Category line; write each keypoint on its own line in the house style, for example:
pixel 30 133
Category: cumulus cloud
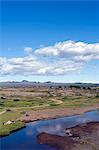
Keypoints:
pixel 30 66
pixel 61 58
pixel 84 50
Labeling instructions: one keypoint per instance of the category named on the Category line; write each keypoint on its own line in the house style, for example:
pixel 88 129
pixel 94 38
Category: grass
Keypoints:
pixel 24 103
pixel 53 104
pixel 39 103
pixel 12 115
pixel 80 101
pixel 9 128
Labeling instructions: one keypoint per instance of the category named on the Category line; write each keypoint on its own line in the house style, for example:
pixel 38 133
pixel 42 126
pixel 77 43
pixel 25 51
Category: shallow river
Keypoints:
pixel 26 138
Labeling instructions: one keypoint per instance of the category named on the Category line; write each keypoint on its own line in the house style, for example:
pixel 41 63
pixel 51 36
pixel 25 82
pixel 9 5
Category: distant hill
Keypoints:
pixel 26 83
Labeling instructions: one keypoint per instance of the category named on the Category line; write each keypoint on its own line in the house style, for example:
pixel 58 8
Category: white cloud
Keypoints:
pixel 84 57
pixel 71 48
pixel 2 60
pixel 61 58
pixel 28 49
pixel 31 66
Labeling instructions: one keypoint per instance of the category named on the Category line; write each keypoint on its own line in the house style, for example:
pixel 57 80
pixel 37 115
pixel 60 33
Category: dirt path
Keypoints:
pixel 2 112
pixel 57 101
pixel 16 108
pixel 45 105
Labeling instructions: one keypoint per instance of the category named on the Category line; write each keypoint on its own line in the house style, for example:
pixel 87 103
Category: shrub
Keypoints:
pixel 3 97
pixel 23 112
pixel 60 87
pixel 8 109
pixel 1 104
pixel 75 86
pixel 97 96
pixel 54 104
pixel 16 100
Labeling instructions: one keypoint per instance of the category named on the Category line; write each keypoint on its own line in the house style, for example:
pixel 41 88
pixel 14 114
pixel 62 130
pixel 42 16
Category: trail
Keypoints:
pixel 45 105
pixel 57 101
pixel 2 112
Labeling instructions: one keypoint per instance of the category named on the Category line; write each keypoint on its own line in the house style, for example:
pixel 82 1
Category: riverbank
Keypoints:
pixel 56 112
pixel 84 136
pixel 43 115
pixel 10 128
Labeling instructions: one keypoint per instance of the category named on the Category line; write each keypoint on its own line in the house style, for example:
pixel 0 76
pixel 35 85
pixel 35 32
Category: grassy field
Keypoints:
pixel 9 128
pixel 24 103
pixel 80 101
pixel 12 110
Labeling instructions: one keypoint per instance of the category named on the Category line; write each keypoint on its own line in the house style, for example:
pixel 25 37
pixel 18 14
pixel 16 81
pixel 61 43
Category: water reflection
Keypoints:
pixel 57 126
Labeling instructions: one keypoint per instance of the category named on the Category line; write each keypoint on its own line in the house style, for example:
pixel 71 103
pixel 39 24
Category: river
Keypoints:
pixel 26 138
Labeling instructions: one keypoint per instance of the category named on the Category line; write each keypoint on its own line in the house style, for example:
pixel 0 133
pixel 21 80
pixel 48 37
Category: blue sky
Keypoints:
pixel 31 26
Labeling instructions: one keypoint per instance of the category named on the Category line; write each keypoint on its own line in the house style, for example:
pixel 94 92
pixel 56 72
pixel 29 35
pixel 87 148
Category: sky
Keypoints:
pixel 49 41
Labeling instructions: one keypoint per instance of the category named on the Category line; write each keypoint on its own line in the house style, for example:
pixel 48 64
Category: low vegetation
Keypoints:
pixel 9 128
pixel 80 101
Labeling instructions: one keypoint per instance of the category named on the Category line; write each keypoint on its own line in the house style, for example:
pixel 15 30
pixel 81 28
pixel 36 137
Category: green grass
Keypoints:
pixel 24 103
pixel 53 104
pixel 12 115
pixel 9 128
pixel 80 102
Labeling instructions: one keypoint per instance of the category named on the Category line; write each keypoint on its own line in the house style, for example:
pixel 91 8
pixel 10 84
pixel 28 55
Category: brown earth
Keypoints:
pixel 83 137
pixel 60 142
pixel 55 113
pixel 46 91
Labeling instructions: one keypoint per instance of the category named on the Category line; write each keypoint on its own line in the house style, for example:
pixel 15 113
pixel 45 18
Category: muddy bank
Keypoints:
pixel 80 137
pixel 55 113
pixel 60 142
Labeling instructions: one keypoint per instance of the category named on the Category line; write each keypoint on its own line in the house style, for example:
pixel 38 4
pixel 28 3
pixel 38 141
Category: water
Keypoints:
pixel 26 138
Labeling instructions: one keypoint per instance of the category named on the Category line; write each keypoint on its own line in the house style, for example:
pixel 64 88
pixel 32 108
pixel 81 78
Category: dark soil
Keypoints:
pixel 81 137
